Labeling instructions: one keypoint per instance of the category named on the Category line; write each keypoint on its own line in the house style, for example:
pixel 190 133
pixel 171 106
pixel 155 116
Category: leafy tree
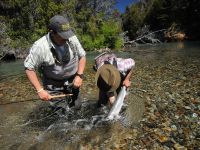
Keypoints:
pixel 159 14
pixel 133 20
pixel 97 24
pixel 27 20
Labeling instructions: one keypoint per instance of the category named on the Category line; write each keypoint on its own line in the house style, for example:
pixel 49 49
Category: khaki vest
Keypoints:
pixel 63 68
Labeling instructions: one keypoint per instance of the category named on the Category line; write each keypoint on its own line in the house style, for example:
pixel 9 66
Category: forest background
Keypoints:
pixel 97 23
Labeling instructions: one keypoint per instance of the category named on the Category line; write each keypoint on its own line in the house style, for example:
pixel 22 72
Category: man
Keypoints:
pixel 112 74
pixel 60 59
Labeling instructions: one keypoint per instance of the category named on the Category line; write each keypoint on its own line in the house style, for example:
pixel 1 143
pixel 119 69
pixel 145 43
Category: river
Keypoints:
pixel 161 112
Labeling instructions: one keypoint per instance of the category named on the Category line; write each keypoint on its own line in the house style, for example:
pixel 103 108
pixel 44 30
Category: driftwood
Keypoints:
pixel 148 36
pixel 177 36
pixel 173 33
pixel 145 36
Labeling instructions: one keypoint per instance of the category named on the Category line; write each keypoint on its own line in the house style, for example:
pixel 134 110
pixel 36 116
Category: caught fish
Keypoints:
pixel 114 112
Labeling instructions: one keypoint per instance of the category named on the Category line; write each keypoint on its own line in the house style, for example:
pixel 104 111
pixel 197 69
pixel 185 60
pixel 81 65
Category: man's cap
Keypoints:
pixel 108 78
pixel 61 25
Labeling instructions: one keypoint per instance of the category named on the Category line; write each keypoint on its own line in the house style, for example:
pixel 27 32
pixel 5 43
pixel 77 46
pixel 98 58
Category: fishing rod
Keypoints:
pixel 36 99
pixel 31 122
pixel 41 119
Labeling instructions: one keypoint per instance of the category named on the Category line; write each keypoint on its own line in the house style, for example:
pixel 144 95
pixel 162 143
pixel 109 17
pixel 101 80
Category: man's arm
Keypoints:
pixel 31 74
pixel 81 67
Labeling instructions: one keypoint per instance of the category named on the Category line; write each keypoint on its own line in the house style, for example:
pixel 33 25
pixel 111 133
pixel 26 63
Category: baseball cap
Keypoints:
pixel 61 25
pixel 108 78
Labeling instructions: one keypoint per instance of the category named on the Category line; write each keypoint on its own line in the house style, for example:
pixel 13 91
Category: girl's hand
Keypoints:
pixel 127 83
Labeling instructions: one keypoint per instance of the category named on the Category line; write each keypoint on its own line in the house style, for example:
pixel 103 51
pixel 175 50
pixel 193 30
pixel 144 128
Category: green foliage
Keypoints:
pixel 27 20
pixel 20 43
pixel 96 22
pixel 102 34
pixel 97 29
pixel 133 19
pixel 87 42
pixel 99 41
pixel 118 43
pixel 111 31
pixel 157 16
pixel 161 14
pixel 91 44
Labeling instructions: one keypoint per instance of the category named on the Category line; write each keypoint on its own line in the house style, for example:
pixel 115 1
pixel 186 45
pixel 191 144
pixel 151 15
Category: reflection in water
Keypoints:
pixel 180 45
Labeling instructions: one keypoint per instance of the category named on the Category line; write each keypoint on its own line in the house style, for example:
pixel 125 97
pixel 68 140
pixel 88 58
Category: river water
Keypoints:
pixel 165 93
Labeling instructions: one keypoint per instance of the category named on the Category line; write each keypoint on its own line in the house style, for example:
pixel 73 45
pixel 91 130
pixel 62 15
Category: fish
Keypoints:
pixel 116 107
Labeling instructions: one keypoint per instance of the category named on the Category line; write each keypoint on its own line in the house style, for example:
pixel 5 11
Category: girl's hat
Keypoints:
pixel 108 78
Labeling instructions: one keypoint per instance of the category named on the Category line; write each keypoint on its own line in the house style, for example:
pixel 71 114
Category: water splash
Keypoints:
pixel 73 121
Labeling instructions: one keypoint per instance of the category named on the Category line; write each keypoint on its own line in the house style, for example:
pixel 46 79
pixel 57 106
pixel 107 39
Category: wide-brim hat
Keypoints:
pixel 108 78
pixel 61 25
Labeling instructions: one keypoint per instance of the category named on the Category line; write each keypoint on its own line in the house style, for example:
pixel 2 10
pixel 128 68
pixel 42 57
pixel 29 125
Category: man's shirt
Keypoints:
pixel 40 53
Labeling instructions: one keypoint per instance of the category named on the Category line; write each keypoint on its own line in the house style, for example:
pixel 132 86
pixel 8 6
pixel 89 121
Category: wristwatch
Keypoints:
pixel 80 75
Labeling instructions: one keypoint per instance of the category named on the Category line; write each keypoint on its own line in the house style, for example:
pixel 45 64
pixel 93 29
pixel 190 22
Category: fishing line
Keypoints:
pixel 35 99
pixel 28 100
pixel 28 123
pixel 94 121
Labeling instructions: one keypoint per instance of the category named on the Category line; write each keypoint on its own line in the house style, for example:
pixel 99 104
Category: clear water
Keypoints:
pixel 145 52
pixel 33 126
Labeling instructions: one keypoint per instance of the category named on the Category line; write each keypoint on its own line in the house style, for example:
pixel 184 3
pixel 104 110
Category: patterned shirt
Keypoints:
pixel 123 65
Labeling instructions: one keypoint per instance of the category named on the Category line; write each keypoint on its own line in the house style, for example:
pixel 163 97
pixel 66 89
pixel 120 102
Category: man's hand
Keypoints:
pixel 44 95
pixel 78 81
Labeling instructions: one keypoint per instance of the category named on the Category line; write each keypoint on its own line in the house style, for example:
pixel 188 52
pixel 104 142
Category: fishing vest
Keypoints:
pixel 64 66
